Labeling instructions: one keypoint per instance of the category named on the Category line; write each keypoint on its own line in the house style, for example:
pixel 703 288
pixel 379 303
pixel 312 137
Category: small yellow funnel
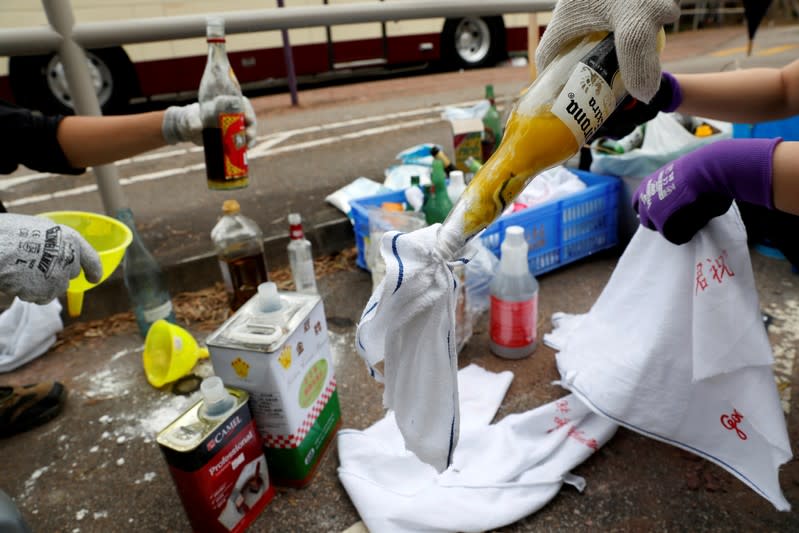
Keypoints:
pixel 170 352
pixel 107 235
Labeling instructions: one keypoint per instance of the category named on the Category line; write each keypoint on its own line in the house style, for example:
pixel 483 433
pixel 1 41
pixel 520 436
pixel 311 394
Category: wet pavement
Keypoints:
pixel 97 468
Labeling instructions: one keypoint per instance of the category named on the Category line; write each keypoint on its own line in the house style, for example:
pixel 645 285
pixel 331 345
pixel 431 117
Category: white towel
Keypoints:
pixel 27 330
pixel 675 349
pixel 409 325
pixel 500 473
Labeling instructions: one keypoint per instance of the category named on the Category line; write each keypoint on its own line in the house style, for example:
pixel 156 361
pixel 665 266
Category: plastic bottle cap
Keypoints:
pixel 514 235
pixel 294 219
pixel 213 391
pixel 230 207
pixel 214 26
pixel 269 297
pixel 456 176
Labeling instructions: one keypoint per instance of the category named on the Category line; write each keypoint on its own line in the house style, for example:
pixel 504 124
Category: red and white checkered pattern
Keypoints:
pixel 296 438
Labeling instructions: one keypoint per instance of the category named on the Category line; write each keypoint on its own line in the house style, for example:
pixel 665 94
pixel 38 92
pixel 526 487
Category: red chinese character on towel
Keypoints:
pixel 701 280
pixel 719 267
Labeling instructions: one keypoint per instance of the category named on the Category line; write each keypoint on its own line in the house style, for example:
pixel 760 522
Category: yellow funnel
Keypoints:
pixel 170 352
pixel 107 235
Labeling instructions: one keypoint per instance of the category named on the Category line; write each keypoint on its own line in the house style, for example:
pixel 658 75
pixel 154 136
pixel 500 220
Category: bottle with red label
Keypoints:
pixel 222 113
pixel 513 312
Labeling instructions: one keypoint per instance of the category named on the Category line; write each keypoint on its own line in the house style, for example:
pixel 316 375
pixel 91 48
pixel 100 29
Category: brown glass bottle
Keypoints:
pixel 246 273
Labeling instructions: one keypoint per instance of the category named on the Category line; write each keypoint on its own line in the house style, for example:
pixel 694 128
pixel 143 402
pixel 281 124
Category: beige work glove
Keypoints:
pixel 38 258
pixel 184 123
pixel 635 24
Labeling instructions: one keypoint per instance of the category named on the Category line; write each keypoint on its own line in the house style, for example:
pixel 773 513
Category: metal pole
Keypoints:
pixel 84 97
pixel 288 58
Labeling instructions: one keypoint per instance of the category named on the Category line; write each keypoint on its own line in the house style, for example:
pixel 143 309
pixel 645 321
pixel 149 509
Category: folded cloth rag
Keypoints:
pixel 675 349
pixel 500 473
pixel 27 330
pixel 409 325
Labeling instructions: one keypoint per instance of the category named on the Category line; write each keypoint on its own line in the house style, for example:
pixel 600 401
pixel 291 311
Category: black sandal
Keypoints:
pixel 26 407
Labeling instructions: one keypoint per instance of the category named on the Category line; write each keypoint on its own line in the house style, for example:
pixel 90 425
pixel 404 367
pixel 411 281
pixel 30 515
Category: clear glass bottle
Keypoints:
pixel 513 311
pixel 300 257
pixel 222 113
pixel 144 280
pixel 239 246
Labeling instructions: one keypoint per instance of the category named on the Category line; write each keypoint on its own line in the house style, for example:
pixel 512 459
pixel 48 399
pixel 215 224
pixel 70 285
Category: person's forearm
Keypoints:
pixel 743 96
pixel 93 140
pixel 785 177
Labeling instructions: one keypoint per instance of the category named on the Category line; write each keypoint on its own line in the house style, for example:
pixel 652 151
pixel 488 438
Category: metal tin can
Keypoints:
pixel 218 467
pixel 284 363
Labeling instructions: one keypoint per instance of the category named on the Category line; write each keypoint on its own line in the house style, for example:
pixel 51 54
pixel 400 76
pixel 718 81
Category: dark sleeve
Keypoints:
pixel 29 138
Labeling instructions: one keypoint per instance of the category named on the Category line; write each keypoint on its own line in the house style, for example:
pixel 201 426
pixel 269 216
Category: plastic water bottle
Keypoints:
pixel 239 247
pixel 513 312
pixel 145 281
pixel 300 257
pixel 456 185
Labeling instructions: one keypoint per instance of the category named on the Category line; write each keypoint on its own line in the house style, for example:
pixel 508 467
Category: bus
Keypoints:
pixel 128 74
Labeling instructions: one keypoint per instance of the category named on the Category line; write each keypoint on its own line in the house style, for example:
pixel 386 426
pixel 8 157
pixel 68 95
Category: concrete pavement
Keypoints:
pixel 97 467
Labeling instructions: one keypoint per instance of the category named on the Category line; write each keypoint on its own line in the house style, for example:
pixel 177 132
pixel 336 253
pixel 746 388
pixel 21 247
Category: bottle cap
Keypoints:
pixel 214 27
pixel 269 297
pixel 456 176
pixel 513 259
pixel 214 392
pixel 514 236
pixel 230 207
pixel 294 219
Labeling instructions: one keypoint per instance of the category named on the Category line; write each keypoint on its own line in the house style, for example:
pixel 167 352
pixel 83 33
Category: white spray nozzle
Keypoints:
pixel 294 219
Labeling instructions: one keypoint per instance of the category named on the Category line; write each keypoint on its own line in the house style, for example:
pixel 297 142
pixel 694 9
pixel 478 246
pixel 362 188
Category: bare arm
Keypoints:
pixel 92 140
pixel 744 96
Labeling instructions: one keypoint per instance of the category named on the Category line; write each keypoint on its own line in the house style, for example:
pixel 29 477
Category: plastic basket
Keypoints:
pixel 565 230
pixel 557 232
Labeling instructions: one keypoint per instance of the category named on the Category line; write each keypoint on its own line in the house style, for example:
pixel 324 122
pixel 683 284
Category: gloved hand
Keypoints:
pixel 680 198
pixel 632 112
pixel 635 24
pixel 184 123
pixel 38 257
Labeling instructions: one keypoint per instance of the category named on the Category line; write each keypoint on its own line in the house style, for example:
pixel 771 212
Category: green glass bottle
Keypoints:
pixel 438 204
pixel 492 125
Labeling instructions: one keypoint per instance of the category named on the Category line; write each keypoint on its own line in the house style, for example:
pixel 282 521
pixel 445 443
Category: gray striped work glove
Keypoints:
pixel 635 24
pixel 38 257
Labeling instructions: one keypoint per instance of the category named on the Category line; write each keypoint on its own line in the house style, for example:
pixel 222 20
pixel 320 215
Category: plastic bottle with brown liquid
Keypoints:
pixel 239 246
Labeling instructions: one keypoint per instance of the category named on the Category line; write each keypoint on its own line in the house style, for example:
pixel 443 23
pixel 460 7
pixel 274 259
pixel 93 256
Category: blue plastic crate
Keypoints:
pixel 359 209
pixel 568 229
pixel 557 232
pixel 787 128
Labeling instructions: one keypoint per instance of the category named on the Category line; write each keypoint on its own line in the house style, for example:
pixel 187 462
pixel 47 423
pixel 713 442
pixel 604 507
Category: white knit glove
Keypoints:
pixel 184 123
pixel 635 24
pixel 38 257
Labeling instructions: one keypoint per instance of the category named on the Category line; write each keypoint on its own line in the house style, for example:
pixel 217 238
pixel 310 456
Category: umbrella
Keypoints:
pixel 754 11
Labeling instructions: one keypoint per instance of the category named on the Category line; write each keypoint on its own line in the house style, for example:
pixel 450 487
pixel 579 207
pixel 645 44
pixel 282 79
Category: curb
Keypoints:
pixel 202 271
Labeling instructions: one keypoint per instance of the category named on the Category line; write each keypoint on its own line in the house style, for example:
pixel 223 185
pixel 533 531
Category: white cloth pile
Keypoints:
pixel 27 330
pixel 675 349
pixel 500 473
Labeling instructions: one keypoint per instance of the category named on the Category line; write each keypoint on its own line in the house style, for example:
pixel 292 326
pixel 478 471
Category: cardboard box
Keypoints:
pixel 466 139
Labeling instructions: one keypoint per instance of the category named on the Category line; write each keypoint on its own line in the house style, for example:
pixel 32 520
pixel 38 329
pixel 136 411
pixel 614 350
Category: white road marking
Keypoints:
pixel 161 174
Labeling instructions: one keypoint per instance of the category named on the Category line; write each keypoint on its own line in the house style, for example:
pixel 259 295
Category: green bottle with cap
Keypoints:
pixel 438 204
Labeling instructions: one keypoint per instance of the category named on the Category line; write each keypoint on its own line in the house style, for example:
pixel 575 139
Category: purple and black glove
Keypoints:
pixel 680 198
pixel 631 112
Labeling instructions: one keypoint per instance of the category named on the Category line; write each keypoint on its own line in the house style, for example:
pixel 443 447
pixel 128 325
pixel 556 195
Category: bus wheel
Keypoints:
pixel 473 42
pixel 39 82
